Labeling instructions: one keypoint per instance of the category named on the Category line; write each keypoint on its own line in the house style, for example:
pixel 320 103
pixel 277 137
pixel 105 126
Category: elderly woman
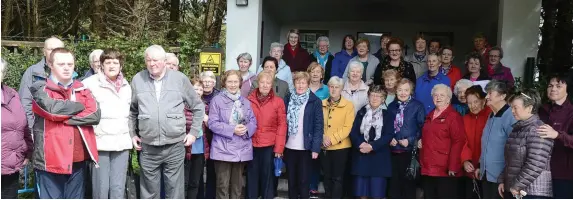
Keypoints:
pixel 342 58
pixel 95 63
pixel 295 56
pixel 209 92
pixel 498 71
pixel 497 128
pixel 395 61
pixel 316 76
pixel 558 117
pixel 17 145
pixel 419 57
pixel 113 94
pixel 426 83
pixel 391 78
pixel 172 61
pixel 406 116
pixel 244 61
pixel 338 118
pixel 474 122
pixel 304 135
pixel 281 87
pixel 368 61
pixel 527 155
pixel 371 152
pixel 383 51
pixel 460 102
pixel 323 57
pixel 448 68
pixel 269 138
pixel 476 69
pixel 233 124
pixel 282 69
pixel 355 89
pixel 443 139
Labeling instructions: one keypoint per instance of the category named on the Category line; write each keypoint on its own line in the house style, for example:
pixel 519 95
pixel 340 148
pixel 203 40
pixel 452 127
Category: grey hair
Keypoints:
pixel 207 74
pixel 94 54
pixel 245 56
pixel 462 83
pixel 335 80
pixel 355 64
pixel 323 38
pixel 498 86
pixel 443 87
pixel 171 55
pixel 530 97
pixel 53 39
pixel 3 68
pixel 156 49
pixel 277 45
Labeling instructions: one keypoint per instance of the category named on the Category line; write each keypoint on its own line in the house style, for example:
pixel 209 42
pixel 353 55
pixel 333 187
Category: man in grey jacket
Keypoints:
pixel 38 71
pixel 157 124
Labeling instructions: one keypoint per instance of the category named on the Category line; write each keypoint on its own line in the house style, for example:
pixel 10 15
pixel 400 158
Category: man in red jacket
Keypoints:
pixel 64 138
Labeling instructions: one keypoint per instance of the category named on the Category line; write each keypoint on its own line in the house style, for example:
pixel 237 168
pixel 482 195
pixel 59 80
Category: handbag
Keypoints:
pixel 413 169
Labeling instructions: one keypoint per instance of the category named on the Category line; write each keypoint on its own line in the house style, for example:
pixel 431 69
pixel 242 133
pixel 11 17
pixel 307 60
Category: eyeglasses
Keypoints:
pixel 395 50
pixel 494 56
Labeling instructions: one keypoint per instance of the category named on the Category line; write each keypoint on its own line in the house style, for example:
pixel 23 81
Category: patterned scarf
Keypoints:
pixel 372 119
pixel 294 105
pixel 444 70
pixel 419 57
pixel 399 121
pixel 117 83
pixel 237 116
pixel 321 59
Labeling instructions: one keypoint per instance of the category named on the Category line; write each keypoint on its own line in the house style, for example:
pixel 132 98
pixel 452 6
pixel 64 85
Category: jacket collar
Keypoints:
pixel 427 77
pixel 343 102
pixel 528 122
pixel 483 113
pixel 566 105
pixel 362 87
pixel 444 113
pixel 104 83
pixel 7 95
pixel 500 112
pixel 254 96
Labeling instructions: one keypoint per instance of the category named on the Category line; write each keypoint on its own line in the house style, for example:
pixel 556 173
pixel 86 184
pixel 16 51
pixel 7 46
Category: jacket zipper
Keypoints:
pixel 73 98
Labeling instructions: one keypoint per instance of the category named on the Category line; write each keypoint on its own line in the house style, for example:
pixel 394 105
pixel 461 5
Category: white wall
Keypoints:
pixel 463 35
pixel 271 32
pixel 243 32
pixel 518 32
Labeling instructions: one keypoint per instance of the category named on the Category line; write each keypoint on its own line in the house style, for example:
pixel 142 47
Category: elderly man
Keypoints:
pixel 323 57
pixel 157 124
pixel 33 73
pixel 64 137
pixel 283 70
pixel 94 63
pixel 172 61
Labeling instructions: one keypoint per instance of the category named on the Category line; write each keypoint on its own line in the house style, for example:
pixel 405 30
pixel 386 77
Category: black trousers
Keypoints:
pixel 468 189
pixel 333 166
pixel 562 189
pixel 400 187
pixel 298 169
pixel 260 174
pixel 10 185
pixel 489 190
pixel 440 187
pixel 210 185
pixel 193 173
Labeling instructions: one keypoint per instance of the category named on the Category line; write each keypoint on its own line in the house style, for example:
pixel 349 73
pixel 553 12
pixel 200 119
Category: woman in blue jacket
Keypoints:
pixel 342 58
pixel 370 150
pixel 406 116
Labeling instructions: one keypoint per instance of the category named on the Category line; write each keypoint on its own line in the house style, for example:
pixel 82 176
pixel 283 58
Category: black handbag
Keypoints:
pixel 413 170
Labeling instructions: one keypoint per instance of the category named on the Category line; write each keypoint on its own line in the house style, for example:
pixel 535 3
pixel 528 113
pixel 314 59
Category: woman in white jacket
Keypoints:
pixel 113 94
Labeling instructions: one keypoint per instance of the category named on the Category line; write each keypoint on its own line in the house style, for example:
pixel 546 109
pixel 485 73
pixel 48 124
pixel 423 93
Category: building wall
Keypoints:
pixel 243 32
pixel 271 32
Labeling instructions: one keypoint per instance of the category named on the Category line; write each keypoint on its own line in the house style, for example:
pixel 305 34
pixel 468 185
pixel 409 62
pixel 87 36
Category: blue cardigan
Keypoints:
pixel 424 86
pixel 377 162
pixel 340 61
pixel 414 116
pixel 495 133
pixel 313 123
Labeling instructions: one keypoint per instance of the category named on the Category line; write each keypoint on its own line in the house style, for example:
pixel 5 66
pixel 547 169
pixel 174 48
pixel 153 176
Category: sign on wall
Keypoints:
pixel 210 61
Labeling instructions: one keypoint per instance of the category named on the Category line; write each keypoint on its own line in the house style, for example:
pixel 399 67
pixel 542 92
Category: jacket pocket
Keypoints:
pixel 143 123
pixel 175 124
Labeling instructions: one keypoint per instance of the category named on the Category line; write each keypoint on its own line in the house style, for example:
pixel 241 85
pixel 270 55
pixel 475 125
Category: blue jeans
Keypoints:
pixel 62 186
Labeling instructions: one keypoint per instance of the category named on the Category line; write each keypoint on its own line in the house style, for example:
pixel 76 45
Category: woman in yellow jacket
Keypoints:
pixel 338 120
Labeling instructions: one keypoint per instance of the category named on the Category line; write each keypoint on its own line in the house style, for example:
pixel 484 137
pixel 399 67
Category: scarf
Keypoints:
pixel 444 70
pixel 292 51
pixel 372 119
pixel 262 99
pixel 117 83
pixel 322 59
pixel 237 116
pixel 294 105
pixel 419 57
pixel 399 121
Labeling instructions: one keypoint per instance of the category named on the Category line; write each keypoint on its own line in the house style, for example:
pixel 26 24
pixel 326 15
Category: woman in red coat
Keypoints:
pixel 269 138
pixel 443 138
pixel 474 122
pixel 296 57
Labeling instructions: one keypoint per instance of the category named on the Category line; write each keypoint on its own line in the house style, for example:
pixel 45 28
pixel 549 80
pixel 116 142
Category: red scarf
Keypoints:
pixel 263 99
pixel 117 83
pixel 291 50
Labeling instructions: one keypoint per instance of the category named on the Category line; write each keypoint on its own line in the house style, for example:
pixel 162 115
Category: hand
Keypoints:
pixel 26 161
pixel 393 142
pixel 314 155
pixel 476 174
pixel 205 118
pixel 468 167
pixel 189 139
pixel 514 192
pixel 240 130
pixel 419 144
pixel 136 143
pixel 326 141
pixel 362 145
pixel 403 142
pixel 278 155
pixel 546 131
pixel 501 189
pixel 451 173
pixel 366 149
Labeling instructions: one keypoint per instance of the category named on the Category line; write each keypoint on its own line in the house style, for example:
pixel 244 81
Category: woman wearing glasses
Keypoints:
pixel 396 62
pixel 498 71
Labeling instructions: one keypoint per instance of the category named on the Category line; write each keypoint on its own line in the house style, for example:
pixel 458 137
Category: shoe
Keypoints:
pixel 314 194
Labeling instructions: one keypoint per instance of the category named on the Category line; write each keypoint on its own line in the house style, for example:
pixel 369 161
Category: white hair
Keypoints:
pixel 277 45
pixel 207 74
pixel 53 39
pixel 462 83
pixel 444 87
pixel 337 81
pixel 355 64
pixel 155 50
pixel 3 67
pixel 95 54
pixel 323 38
pixel 171 55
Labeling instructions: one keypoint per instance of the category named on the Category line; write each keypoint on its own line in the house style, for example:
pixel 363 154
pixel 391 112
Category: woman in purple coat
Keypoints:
pixel 233 123
pixel 16 139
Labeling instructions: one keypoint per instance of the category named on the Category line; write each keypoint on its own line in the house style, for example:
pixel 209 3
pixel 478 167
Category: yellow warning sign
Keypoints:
pixel 210 61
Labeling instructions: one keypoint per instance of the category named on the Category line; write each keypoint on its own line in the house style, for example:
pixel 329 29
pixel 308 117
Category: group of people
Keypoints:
pixel 382 125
